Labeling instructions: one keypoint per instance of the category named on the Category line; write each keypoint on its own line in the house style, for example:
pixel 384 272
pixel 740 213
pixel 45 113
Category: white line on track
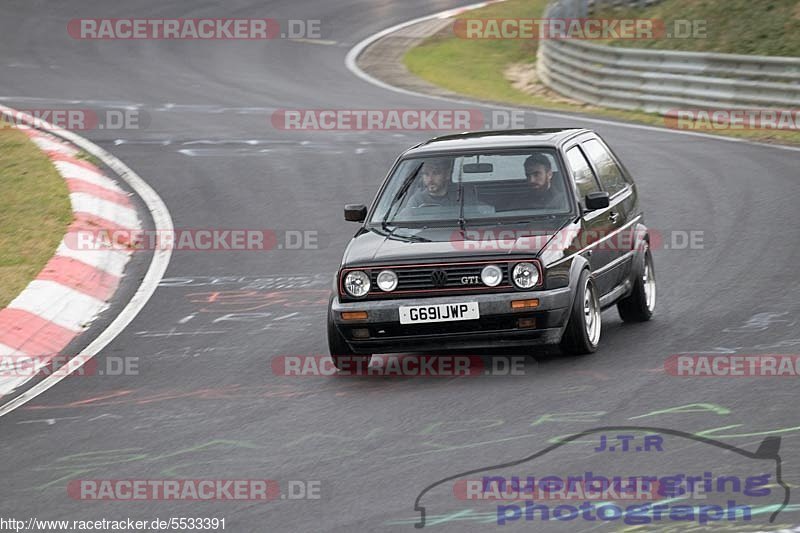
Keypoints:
pixel 352 65
pixel 155 272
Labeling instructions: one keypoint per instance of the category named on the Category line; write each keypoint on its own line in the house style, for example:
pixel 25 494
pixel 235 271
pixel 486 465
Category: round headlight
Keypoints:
pixel 356 283
pixel 491 275
pixel 387 281
pixel 525 275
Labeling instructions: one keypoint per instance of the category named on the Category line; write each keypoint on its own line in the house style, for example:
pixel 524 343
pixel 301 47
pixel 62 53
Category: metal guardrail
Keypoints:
pixel 619 3
pixel 661 81
pixel 585 8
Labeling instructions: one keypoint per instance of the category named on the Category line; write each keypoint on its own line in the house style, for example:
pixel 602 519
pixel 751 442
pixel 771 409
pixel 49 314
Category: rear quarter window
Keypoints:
pixel 609 172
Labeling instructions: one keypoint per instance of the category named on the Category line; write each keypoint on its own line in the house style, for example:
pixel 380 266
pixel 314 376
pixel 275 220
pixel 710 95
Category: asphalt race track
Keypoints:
pixel 206 403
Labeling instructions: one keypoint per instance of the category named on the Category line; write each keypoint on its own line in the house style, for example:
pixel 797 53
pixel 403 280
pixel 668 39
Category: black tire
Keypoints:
pixel 638 307
pixel 577 339
pixel 344 358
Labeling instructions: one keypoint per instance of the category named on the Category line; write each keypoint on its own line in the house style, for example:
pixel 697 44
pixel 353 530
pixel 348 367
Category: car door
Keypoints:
pixel 622 203
pixel 594 224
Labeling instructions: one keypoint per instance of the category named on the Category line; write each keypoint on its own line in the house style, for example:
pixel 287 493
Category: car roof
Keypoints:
pixel 479 140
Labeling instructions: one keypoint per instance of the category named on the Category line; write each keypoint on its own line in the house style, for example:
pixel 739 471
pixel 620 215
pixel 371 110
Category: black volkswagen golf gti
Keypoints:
pixel 493 239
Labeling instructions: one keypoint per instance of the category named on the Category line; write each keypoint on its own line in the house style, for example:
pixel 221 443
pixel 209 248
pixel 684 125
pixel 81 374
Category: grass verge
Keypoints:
pixel 477 67
pixel 768 27
pixel 34 211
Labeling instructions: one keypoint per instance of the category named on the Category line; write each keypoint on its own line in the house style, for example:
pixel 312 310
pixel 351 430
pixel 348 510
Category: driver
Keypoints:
pixel 436 182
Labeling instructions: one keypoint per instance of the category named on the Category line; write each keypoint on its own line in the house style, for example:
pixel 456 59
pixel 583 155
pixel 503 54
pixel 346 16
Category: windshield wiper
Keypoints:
pixel 511 222
pixel 391 234
pixel 526 220
pixel 401 193
pixel 415 238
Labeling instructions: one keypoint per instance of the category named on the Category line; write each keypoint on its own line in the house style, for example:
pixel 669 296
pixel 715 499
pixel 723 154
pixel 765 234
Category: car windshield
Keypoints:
pixel 444 190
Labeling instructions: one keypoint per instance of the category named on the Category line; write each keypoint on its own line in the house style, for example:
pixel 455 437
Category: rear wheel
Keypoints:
pixel 639 306
pixel 582 334
pixel 344 358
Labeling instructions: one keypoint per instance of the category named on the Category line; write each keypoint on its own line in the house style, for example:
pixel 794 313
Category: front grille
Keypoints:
pixel 439 278
pixel 420 278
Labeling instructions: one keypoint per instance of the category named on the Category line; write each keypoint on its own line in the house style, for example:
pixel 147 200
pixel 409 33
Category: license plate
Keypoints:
pixel 439 313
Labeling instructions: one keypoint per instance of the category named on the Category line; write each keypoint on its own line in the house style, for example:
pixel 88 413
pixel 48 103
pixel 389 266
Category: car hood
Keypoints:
pixel 406 244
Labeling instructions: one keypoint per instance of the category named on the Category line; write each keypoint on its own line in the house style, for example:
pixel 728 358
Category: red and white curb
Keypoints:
pixel 75 285
pixel 162 222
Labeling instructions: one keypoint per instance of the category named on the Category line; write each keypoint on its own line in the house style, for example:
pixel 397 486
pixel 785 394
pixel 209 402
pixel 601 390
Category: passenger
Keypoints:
pixel 540 194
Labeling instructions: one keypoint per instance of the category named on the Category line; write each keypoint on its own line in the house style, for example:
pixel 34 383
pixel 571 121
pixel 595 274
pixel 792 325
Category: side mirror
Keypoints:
pixel 356 212
pixel 597 200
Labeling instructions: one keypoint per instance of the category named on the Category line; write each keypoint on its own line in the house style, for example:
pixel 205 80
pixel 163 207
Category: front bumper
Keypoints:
pixel 498 325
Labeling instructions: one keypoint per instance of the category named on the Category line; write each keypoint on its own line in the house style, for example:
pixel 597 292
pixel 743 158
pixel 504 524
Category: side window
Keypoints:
pixel 582 172
pixel 610 174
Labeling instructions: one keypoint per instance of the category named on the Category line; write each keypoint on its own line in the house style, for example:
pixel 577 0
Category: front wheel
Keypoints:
pixel 639 306
pixel 582 334
pixel 344 358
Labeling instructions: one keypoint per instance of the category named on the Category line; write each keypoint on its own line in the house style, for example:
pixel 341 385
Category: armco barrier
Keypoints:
pixel 660 81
